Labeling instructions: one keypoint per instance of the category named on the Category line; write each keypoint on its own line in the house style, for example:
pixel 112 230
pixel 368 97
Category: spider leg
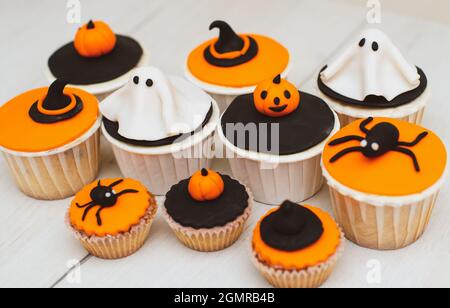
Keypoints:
pixel 86 211
pixel 127 191
pixel 83 206
pixel 345 139
pixel 364 124
pixel 345 152
pixel 99 218
pixel 115 183
pixel 415 142
pixel 410 154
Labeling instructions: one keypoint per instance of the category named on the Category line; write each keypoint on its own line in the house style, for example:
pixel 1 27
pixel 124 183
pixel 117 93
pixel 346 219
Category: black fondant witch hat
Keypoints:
pixel 292 227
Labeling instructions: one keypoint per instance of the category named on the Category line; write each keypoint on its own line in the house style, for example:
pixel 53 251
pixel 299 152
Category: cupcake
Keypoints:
pixel 50 140
pixel 161 128
pixel 274 140
pixel 112 217
pixel 372 79
pixel 208 211
pixel 97 61
pixel 297 246
pixel 235 64
pixel 385 176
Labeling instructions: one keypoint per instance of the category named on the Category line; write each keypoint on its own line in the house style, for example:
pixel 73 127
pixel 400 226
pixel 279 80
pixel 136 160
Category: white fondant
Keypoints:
pixel 362 71
pixel 170 106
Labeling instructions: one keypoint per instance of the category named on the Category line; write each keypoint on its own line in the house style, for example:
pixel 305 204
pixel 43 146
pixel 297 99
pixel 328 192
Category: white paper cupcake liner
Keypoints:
pixel 224 101
pixel 415 118
pixel 312 277
pixel 122 245
pixel 60 173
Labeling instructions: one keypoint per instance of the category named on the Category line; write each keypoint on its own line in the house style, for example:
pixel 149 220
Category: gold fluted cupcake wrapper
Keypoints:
pixel 382 227
pixel 122 245
pixel 57 176
pixel 309 278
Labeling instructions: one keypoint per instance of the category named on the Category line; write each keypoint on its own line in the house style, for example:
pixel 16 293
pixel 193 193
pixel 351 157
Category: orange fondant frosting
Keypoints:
pixel 272 59
pixel 392 174
pixel 20 133
pixel 313 255
pixel 127 212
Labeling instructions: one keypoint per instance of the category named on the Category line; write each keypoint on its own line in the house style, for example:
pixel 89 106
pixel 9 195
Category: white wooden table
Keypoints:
pixel 36 249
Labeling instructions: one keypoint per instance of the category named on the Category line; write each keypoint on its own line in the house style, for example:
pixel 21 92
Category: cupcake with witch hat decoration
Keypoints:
pixel 234 64
pixel 98 60
pixel 50 139
pixel 373 79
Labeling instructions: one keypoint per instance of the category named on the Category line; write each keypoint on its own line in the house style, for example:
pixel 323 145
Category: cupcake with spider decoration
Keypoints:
pixel 297 246
pixel 384 176
pixel 208 211
pixel 234 64
pixel 274 139
pixel 112 217
pixel 98 61
pixel 51 140
pixel 372 78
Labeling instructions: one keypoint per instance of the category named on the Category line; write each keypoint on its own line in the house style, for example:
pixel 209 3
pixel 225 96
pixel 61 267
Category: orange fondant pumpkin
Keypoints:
pixel 206 185
pixel 95 39
pixel 276 98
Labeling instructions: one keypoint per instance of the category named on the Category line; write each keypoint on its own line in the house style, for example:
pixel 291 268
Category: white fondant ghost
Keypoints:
pixel 153 107
pixel 371 66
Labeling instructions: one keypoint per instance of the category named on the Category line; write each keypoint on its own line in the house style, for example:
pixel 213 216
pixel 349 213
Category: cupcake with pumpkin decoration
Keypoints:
pixel 50 139
pixel 234 64
pixel 98 60
pixel 384 176
pixel 208 211
pixel 274 140
pixel 297 246
pixel 112 217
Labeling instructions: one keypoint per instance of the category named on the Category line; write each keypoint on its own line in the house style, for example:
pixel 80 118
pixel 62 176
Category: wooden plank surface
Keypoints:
pixel 37 250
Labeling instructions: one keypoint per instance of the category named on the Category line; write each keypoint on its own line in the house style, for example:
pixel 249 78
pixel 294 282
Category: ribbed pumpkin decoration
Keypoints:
pixel 95 39
pixel 206 185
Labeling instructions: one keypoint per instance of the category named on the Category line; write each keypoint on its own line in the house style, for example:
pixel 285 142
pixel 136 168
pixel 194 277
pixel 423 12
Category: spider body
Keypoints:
pixel 103 197
pixel 381 139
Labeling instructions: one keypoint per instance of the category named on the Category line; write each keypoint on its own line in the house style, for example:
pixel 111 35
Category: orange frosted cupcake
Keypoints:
pixel 112 217
pixel 385 176
pixel 297 246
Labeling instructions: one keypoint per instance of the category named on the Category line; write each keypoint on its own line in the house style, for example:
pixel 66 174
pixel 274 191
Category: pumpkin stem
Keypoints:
pixel 277 80
pixel 56 100
pixel 228 39
pixel 205 172
pixel 91 25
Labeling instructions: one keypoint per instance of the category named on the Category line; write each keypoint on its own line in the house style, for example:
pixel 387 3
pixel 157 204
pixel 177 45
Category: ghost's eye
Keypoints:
pixel 364 143
pixel 375 46
pixel 362 42
pixel 375 146
pixel 287 94
pixel 149 83
pixel 136 80
pixel 264 94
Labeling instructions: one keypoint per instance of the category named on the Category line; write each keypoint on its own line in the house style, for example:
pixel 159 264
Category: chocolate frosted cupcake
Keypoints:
pixel 275 137
pixel 373 79
pixel 208 212
pixel 234 64
pixel 297 246
pixel 97 61
pixel 161 128
pixel 50 139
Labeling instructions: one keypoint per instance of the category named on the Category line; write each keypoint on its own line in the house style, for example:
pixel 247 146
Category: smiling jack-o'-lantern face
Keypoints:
pixel 276 98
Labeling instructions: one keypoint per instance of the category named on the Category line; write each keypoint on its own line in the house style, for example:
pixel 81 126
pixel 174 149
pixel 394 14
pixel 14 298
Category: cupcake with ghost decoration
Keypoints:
pixel 97 61
pixel 234 64
pixel 385 176
pixel 208 211
pixel 373 79
pixel 161 128
pixel 50 139
pixel 274 139
pixel 297 246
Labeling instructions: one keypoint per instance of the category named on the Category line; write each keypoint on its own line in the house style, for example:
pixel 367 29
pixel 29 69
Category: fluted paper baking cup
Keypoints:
pixel 122 245
pixel 60 173
pixel 312 277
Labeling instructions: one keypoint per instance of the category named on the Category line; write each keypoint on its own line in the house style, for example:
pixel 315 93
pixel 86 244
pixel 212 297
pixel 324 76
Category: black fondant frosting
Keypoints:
pixel 210 214
pixel 229 41
pixel 113 130
pixel 67 64
pixel 377 101
pixel 54 101
pixel 291 228
pixel 303 129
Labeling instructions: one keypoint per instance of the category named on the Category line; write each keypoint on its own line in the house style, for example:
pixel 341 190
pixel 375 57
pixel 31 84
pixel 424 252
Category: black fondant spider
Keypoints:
pixel 104 197
pixel 382 138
